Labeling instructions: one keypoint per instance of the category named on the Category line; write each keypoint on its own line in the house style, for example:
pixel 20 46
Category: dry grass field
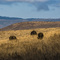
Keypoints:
pixel 29 47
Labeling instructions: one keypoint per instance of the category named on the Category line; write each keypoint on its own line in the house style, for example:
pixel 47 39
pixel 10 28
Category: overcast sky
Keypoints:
pixel 30 8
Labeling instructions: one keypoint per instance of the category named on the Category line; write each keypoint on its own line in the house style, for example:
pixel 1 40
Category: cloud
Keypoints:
pixel 57 5
pixel 39 4
pixel 45 5
pixel 23 0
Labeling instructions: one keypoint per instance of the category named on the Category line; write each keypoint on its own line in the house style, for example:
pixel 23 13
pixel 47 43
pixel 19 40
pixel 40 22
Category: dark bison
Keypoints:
pixel 40 35
pixel 12 37
pixel 33 33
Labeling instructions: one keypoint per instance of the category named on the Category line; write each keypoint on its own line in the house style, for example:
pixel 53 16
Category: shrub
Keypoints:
pixel 40 35
pixel 33 33
pixel 12 37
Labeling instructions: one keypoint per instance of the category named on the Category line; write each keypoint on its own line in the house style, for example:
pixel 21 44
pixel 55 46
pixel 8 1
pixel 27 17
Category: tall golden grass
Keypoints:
pixel 28 47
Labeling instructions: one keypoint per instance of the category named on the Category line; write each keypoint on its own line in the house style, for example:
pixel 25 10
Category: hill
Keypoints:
pixel 29 47
pixel 6 21
pixel 31 25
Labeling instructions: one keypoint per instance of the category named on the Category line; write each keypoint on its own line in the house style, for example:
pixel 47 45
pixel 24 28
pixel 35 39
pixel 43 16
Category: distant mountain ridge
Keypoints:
pixel 15 18
pixel 9 18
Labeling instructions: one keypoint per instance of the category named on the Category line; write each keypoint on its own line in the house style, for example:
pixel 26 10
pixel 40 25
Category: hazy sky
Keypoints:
pixel 30 8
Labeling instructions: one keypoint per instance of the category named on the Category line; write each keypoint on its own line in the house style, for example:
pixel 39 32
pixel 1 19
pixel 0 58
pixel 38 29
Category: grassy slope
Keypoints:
pixel 28 47
pixel 31 25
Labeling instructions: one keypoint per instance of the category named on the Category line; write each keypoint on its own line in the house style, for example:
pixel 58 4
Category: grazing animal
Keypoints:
pixel 12 37
pixel 40 35
pixel 33 33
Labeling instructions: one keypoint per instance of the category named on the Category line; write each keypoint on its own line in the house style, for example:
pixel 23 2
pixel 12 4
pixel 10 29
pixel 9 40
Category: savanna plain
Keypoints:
pixel 29 47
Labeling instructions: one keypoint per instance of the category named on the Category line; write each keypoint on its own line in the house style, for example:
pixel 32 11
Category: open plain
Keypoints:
pixel 29 47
